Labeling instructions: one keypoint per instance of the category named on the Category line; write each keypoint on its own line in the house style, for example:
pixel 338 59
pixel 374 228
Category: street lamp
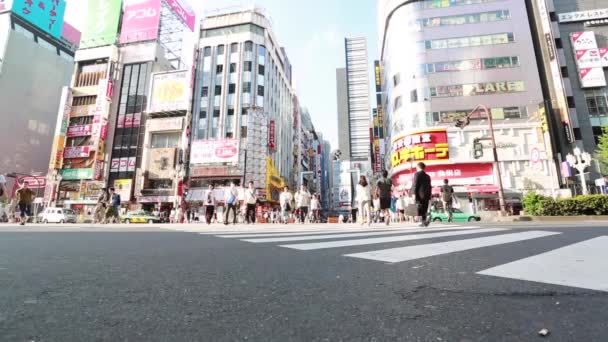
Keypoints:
pixel 464 122
pixel 580 160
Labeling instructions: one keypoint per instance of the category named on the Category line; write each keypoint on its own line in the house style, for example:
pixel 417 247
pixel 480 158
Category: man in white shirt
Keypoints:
pixel 251 199
pixel 285 200
pixel 303 202
pixel 209 205
pixel 232 198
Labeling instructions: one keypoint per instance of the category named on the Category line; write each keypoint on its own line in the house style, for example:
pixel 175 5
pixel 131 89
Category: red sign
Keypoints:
pixel 110 90
pixel 226 151
pixel 121 121
pixel 98 170
pixel 115 164
pixel 425 146
pixel 378 163
pixel 140 21
pixel 271 138
pixel 76 152
pixel 457 174
pixel 79 131
pixel 136 119
pixel 128 120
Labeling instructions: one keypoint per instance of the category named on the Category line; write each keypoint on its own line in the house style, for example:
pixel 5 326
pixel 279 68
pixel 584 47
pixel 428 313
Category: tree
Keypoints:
pixel 601 153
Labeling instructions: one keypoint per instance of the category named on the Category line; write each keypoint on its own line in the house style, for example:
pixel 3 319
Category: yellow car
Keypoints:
pixel 139 216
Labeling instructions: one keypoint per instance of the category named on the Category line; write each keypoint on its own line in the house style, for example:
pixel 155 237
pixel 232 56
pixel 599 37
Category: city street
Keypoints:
pixel 478 282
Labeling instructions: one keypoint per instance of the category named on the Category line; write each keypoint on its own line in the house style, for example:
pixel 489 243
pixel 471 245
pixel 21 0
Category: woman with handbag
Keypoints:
pixel 232 197
pixel 285 200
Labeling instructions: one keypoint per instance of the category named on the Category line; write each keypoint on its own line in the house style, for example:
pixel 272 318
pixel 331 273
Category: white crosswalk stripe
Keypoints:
pixel 423 251
pixel 412 237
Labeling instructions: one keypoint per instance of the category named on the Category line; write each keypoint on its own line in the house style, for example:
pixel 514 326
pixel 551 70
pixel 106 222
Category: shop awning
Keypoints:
pixel 482 189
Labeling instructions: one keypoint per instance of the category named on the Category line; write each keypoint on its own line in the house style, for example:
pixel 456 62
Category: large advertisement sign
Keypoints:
pixel 185 14
pixel 457 174
pixel 583 40
pixel 47 15
pixel 76 174
pixel 215 151
pixel 592 77
pixel 101 24
pixel 271 135
pixel 123 188
pixel 170 91
pixel 141 21
pixel 588 58
pixel 600 13
pixel 424 146
pixel 79 131
pixel 63 116
pixel 76 152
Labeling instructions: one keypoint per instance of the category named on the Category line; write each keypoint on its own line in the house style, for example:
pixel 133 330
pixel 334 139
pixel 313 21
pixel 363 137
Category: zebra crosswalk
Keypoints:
pixel 581 264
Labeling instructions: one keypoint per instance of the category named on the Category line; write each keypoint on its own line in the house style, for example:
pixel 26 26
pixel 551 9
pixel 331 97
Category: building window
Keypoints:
pixel 219 68
pixel 474 89
pixel 261 70
pixel 596 103
pixel 218 90
pixel 203 114
pixel 577 134
pixel 248 46
pixel 207 51
pixel 231 88
pixel 229 135
pixel 216 113
pixel 571 103
pixel 471 18
pixel 244 111
pixel 564 71
pixel 558 43
pixel 205 92
pixel 230 111
pixel 234 47
pixel 471 64
pixel 453 43
pixel 165 140
pixel 248 66
pixel 246 87
pixel 451 3
pixel 397 103
pixel 414 96
pixel 260 90
pixel 498 113
pixel 396 79
pixel 220 50
pixel 232 67
pixel 243 131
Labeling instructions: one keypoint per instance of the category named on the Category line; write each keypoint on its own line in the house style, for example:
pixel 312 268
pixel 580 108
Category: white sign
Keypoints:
pixel 6 5
pixel 166 124
pixel 583 40
pixel 592 77
pixel 604 57
pixel 583 15
pixel 170 91
pixel 215 151
pixel 588 58
pixel 535 155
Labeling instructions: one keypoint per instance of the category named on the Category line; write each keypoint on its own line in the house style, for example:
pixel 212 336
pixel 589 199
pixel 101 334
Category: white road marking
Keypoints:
pixel 287 233
pixel 422 251
pixel 349 235
pixel 360 242
pixel 580 265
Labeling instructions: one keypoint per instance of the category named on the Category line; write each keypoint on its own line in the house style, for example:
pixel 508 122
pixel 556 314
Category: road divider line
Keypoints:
pixel 581 265
pixel 423 251
pixel 348 235
pixel 360 242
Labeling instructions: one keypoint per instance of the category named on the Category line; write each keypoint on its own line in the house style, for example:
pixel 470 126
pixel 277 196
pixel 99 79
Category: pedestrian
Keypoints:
pixel 285 200
pixel 114 207
pixel 232 196
pixel 384 188
pixel 364 197
pixel 3 192
pixel 173 216
pixel 209 204
pixel 400 207
pixel 303 202
pixel 422 189
pixel 251 199
pixel 101 206
pixel 315 208
pixel 447 197
pixel 25 198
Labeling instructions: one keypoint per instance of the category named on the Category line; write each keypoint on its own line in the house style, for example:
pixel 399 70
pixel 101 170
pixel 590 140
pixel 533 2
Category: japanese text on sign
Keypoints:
pixel 423 146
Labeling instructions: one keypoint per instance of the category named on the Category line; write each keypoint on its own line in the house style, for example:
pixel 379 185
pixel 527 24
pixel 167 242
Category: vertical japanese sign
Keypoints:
pixel 141 21
pixel 271 135
pixel 63 118
pixel 47 15
pixel 102 23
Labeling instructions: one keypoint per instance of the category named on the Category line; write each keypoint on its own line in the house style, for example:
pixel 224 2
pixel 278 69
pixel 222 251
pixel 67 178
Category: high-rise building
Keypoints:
pixel 243 106
pixel 354 113
pixel 573 51
pixel 35 62
pixel 440 61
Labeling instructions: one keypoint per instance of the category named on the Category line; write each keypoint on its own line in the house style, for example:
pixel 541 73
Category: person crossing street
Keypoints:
pixel 384 188
pixel 422 192
pixel 303 202
pixel 285 200
pixel 447 197
pixel 25 198
pixel 251 200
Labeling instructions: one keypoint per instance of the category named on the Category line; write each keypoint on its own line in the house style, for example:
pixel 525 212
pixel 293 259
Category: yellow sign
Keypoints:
pixel 274 182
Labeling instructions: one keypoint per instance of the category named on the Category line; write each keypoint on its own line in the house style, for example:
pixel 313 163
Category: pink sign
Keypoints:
pixel 184 13
pixel 76 152
pixel 458 174
pixel 79 131
pixel 136 119
pixel 140 21
pixel 128 120
pixel 70 33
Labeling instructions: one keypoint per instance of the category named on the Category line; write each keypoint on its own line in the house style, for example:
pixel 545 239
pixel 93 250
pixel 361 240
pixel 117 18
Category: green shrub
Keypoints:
pixel 582 205
pixel 533 203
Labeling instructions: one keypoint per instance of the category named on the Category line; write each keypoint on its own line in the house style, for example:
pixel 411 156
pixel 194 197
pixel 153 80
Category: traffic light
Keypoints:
pixel 462 123
pixel 477 149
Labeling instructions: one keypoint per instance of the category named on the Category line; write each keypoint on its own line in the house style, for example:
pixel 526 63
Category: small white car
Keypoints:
pixel 57 215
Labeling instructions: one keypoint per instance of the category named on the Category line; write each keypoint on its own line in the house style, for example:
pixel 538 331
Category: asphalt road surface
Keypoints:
pixel 304 283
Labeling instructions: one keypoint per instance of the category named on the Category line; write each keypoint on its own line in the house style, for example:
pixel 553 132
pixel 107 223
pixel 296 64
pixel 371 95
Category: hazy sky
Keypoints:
pixel 313 33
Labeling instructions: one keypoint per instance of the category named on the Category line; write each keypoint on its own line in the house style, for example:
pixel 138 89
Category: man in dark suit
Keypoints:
pixel 422 190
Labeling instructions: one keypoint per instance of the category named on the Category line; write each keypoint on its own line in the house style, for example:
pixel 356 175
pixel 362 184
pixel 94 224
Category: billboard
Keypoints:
pixel 141 21
pixel 271 136
pixel 63 116
pixel 170 91
pixel 47 15
pixel 583 40
pixel 76 174
pixel 588 58
pixel 79 131
pixel 215 151
pixel 123 188
pixel 101 24
pixel 592 77
pixel 76 152
pixel 601 13
pixel 424 146
pixel 185 14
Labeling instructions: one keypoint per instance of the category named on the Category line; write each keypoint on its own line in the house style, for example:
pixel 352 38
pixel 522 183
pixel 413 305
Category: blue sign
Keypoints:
pixel 47 15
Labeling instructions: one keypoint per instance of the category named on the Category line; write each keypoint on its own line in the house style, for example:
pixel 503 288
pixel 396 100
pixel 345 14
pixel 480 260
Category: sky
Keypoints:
pixel 313 33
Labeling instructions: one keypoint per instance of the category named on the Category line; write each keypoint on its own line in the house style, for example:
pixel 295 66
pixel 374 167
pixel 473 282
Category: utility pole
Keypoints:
pixel 464 122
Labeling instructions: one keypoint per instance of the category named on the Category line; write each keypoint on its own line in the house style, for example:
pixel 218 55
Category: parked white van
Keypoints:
pixel 57 215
